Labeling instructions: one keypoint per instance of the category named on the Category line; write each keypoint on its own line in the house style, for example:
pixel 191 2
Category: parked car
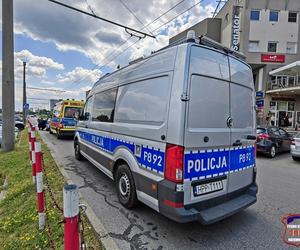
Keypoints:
pixel 16 133
pixel 18 123
pixel 295 147
pixel 272 140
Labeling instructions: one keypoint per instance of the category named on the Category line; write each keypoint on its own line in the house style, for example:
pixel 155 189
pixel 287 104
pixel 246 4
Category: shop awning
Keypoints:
pixel 291 69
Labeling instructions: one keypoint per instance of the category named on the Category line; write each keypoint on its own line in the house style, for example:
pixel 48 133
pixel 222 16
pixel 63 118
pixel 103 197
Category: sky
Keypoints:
pixel 69 51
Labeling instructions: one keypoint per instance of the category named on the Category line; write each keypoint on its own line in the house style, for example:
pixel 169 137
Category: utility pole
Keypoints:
pixel 24 94
pixel 8 88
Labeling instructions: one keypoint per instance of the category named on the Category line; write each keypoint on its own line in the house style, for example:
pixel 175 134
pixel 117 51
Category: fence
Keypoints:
pixel 73 235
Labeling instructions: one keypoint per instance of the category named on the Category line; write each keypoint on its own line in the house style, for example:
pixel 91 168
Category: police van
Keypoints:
pixel 176 131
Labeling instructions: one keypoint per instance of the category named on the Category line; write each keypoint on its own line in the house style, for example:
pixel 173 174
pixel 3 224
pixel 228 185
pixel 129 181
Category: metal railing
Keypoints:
pixel 282 82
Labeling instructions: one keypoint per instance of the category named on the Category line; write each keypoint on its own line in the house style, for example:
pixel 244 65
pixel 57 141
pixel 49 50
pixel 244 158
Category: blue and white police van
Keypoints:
pixel 176 131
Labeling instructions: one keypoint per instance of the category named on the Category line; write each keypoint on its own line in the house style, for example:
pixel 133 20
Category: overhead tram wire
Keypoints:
pixel 129 30
pixel 151 22
pixel 132 13
pixel 193 6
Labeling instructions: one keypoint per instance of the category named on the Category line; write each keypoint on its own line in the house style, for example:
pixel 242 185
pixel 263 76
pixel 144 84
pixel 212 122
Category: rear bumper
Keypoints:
pixel 69 132
pixel 295 152
pixel 263 146
pixel 210 211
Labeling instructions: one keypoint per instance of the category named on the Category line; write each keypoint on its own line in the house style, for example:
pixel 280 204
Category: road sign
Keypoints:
pixel 260 103
pixel 259 94
pixel 26 106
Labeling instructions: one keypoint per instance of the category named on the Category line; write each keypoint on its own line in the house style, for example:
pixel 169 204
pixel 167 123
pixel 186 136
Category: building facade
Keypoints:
pixel 267 33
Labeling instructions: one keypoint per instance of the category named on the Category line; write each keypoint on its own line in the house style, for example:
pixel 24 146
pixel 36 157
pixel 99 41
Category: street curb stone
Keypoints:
pixel 107 241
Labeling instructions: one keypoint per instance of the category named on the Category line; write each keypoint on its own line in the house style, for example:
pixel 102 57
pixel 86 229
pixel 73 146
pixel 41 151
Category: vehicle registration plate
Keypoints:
pixel 208 188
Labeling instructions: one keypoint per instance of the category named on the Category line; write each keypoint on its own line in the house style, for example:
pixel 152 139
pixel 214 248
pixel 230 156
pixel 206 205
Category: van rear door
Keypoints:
pixel 219 152
pixel 207 136
pixel 242 118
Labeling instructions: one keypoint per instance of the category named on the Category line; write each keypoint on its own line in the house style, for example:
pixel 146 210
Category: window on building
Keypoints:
pixel 273 16
pixel 104 106
pixel 272 46
pixel 291 48
pixel 253 46
pixel 255 15
pixel 292 17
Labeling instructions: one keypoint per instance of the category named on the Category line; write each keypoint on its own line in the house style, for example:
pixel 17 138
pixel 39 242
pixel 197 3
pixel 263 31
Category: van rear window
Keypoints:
pixel 209 63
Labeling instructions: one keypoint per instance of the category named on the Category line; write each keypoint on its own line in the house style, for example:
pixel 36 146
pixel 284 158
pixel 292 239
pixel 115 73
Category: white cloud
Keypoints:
pixel 70 30
pixel 80 74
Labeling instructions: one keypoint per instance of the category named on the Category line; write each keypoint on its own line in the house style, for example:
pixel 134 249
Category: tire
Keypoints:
pixel 50 131
pixel 272 151
pixel 78 155
pixel 58 135
pixel 126 187
pixel 296 158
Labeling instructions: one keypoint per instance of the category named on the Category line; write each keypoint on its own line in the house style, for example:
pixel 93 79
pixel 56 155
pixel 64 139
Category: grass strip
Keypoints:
pixel 18 210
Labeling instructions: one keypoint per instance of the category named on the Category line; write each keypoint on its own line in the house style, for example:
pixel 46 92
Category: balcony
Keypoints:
pixel 283 83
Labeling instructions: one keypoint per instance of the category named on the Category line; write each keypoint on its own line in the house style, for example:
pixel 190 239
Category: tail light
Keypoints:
pixel 61 125
pixel 263 136
pixel 293 142
pixel 174 163
pixel 255 150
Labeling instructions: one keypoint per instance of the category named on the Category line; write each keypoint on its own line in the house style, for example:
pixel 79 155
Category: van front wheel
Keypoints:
pixel 126 187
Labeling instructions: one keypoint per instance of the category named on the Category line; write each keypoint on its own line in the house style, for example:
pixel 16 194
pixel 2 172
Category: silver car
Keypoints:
pixel 295 147
pixel 176 131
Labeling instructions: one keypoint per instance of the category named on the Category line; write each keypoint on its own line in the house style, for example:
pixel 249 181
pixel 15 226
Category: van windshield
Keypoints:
pixel 72 112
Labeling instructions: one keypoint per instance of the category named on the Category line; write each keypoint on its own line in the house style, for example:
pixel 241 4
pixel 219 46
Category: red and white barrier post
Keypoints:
pixel 33 154
pixel 71 217
pixel 29 144
pixel 39 184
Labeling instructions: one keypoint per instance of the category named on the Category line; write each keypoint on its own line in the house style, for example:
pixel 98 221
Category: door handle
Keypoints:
pixel 86 126
pixel 237 143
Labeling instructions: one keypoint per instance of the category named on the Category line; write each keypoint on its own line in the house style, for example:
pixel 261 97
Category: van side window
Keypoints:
pixel 104 106
pixel 87 110
pixel 143 102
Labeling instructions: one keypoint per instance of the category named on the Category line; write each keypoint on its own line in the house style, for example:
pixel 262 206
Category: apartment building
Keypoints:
pixel 267 33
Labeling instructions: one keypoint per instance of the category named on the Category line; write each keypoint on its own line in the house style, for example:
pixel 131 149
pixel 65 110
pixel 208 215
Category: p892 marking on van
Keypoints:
pixel 180 156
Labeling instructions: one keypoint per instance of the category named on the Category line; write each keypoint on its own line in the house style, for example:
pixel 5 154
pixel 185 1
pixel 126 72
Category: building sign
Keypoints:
pixel 260 104
pixel 273 58
pixel 259 94
pixel 235 30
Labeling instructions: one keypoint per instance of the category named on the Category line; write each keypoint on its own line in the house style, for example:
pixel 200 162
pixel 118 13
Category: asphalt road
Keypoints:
pixel 258 227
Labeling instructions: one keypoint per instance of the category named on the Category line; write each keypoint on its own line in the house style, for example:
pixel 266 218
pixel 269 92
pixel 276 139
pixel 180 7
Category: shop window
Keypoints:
pixel 291 106
pixel 253 46
pixel 291 48
pixel 273 17
pixel 292 17
pixel 254 15
pixel 281 105
pixel 272 46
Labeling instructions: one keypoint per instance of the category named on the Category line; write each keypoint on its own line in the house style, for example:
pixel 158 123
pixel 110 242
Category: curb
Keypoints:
pixel 107 241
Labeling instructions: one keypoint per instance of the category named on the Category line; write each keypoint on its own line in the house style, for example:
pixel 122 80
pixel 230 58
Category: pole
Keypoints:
pixel 24 93
pixel 71 217
pixel 8 88
pixel 39 184
pixel 33 155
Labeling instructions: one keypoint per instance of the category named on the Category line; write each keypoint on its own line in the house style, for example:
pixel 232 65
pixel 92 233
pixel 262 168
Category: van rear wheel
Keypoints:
pixel 78 155
pixel 125 187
